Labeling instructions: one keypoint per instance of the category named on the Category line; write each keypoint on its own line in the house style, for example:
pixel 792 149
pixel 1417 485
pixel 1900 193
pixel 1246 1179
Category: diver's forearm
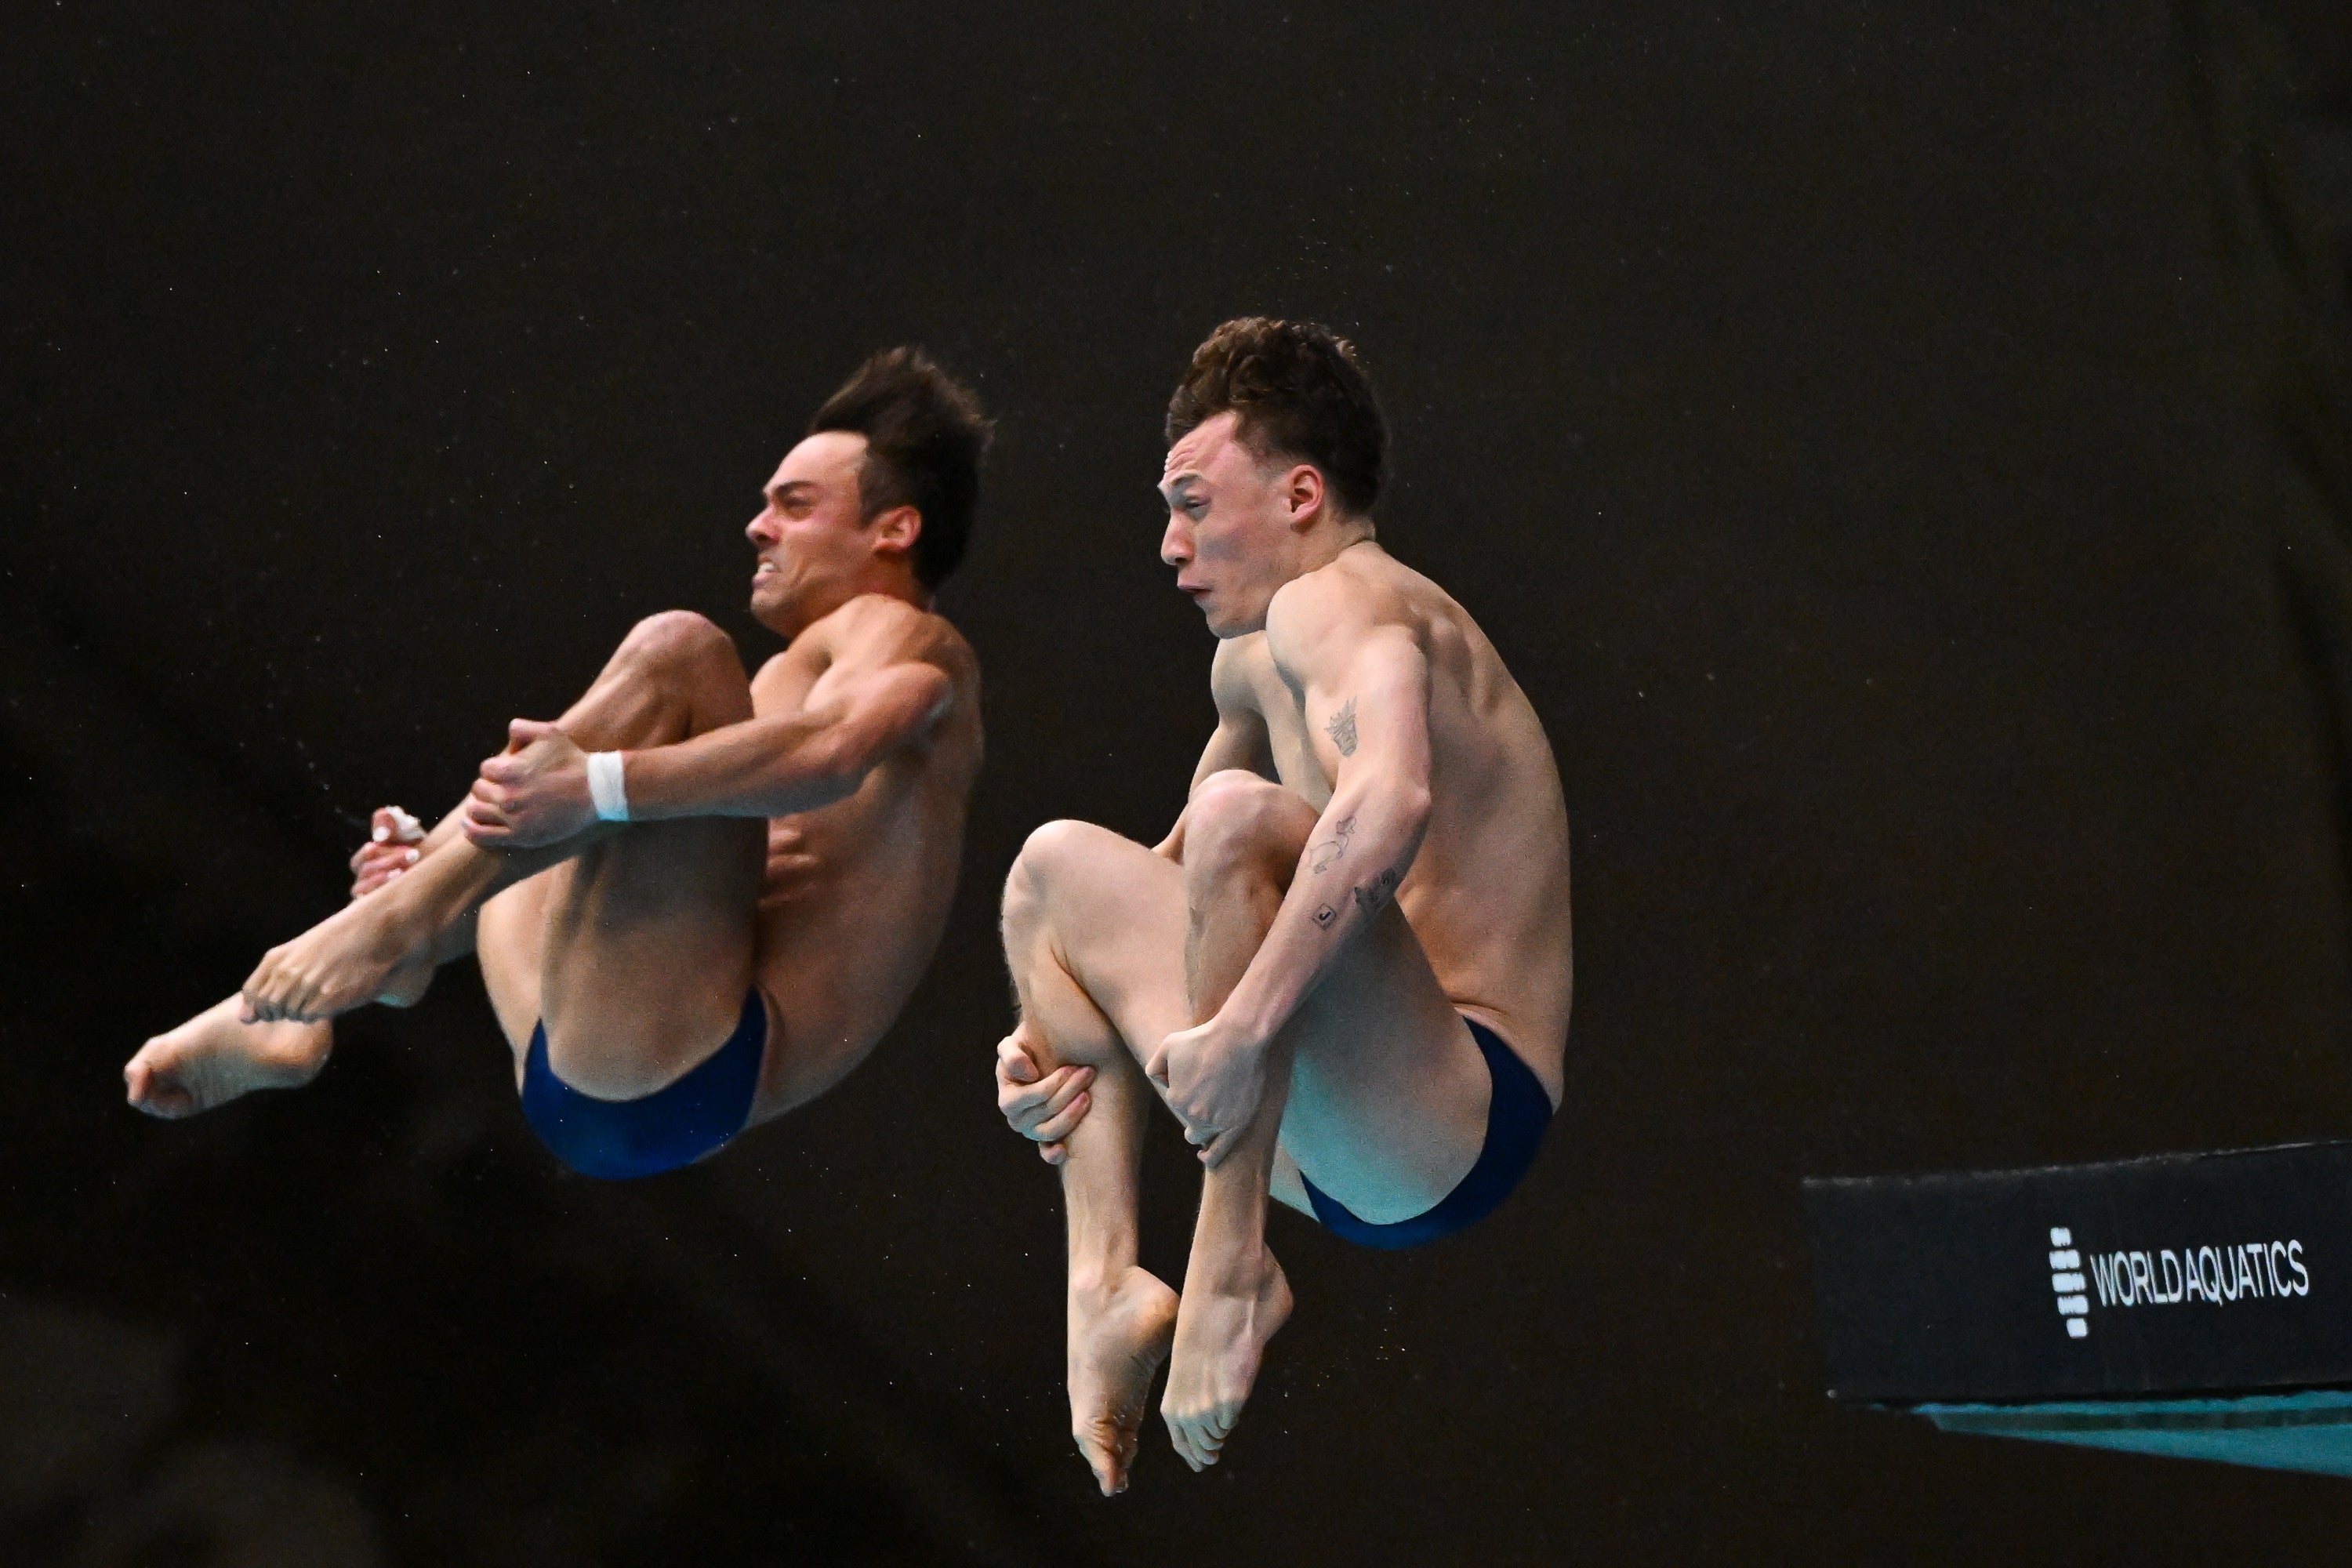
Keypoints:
pixel 1362 848
pixel 762 767
pixel 451 827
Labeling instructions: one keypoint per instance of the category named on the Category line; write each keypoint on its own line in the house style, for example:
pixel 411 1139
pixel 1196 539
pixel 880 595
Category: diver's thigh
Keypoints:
pixel 510 943
pixel 649 952
pixel 1118 916
pixel 1387 1090
pixel 1283 1185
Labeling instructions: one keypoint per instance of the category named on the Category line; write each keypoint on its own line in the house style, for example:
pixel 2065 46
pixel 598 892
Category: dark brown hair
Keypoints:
pixel 1299 392
pixel 925 436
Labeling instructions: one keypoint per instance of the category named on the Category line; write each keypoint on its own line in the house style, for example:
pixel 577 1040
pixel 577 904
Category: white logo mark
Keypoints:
pixel 2066 1282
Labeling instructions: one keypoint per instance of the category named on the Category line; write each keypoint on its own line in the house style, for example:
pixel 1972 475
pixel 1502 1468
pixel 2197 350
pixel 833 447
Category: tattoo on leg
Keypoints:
pixel 1324 915
pixel 1342 728
pixel 1328 853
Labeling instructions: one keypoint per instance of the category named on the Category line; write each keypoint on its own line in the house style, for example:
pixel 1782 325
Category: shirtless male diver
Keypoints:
pixel 1346 970
pixel 699 898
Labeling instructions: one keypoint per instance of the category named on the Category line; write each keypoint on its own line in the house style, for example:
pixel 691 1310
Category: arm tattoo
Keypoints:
pixel 1328 853
pixel 1342 728
pixel 1374 896
pixel 1325 914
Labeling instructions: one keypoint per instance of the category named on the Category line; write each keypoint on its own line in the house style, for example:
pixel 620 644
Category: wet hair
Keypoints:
pixel 925 436
pixel 1299 392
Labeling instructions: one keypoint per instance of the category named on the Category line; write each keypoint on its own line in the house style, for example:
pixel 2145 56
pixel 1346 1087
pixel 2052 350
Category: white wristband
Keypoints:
pixel 607 787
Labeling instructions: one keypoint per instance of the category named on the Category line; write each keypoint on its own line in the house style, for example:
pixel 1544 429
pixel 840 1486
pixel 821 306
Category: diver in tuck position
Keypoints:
pixel 699 898
pixel 1346 968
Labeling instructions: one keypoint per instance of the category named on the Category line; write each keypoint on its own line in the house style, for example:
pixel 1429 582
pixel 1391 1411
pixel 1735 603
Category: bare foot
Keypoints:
pixel 346 961
pixel 406 984
pixel 1222 1333
pixel 1118 1337
pixel 213 1058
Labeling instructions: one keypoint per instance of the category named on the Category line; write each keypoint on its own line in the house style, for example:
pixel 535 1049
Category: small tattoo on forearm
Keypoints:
pixel 1328 852
pixel 1342 728
pixel 1326 915
pixel 1374 896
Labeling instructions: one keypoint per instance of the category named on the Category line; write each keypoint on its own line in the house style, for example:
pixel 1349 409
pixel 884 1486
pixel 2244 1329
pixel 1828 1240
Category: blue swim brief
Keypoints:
pixel 1517 1114
pixel 619 1140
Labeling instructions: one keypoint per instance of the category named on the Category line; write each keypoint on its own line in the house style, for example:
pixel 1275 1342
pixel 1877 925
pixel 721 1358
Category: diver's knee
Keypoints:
pixel 1051 851
pixel 1238 819
pixel 675 641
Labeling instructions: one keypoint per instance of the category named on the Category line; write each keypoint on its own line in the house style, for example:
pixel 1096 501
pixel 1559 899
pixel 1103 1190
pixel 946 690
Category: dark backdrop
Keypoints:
pixel 1902 452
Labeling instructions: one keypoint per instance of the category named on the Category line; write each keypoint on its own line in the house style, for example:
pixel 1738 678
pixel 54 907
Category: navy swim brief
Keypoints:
pixel 1517 1114
pixel 617 1139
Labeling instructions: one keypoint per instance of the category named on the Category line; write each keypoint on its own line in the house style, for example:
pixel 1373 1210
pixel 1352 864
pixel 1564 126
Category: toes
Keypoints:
pixel 166 1101
pixel 1099 1463
pixel 1179 1434
pixel 1200 1437
pixel 145 1074
pixel 1130 1443
pixel 1108 1457
pixel 149 1089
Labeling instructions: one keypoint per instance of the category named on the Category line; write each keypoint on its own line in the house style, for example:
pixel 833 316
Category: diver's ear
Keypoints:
pixel 1303 495
pixel 896 531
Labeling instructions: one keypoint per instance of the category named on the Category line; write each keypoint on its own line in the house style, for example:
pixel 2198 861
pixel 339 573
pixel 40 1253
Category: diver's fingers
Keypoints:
pixel 1025 1103
pixel 1059 1127
pixel 1074 1081
pixel 1014 1062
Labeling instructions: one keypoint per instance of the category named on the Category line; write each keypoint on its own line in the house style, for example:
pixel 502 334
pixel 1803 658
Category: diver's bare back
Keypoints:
pixel 1488 893
pixel 855 895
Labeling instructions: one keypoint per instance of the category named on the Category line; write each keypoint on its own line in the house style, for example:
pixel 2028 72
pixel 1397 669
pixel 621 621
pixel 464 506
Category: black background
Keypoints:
pixel 1901 450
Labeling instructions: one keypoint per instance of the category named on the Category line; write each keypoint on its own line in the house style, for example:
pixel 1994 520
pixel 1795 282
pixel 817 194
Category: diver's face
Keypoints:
pixel 812 538
pixel 1233 524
